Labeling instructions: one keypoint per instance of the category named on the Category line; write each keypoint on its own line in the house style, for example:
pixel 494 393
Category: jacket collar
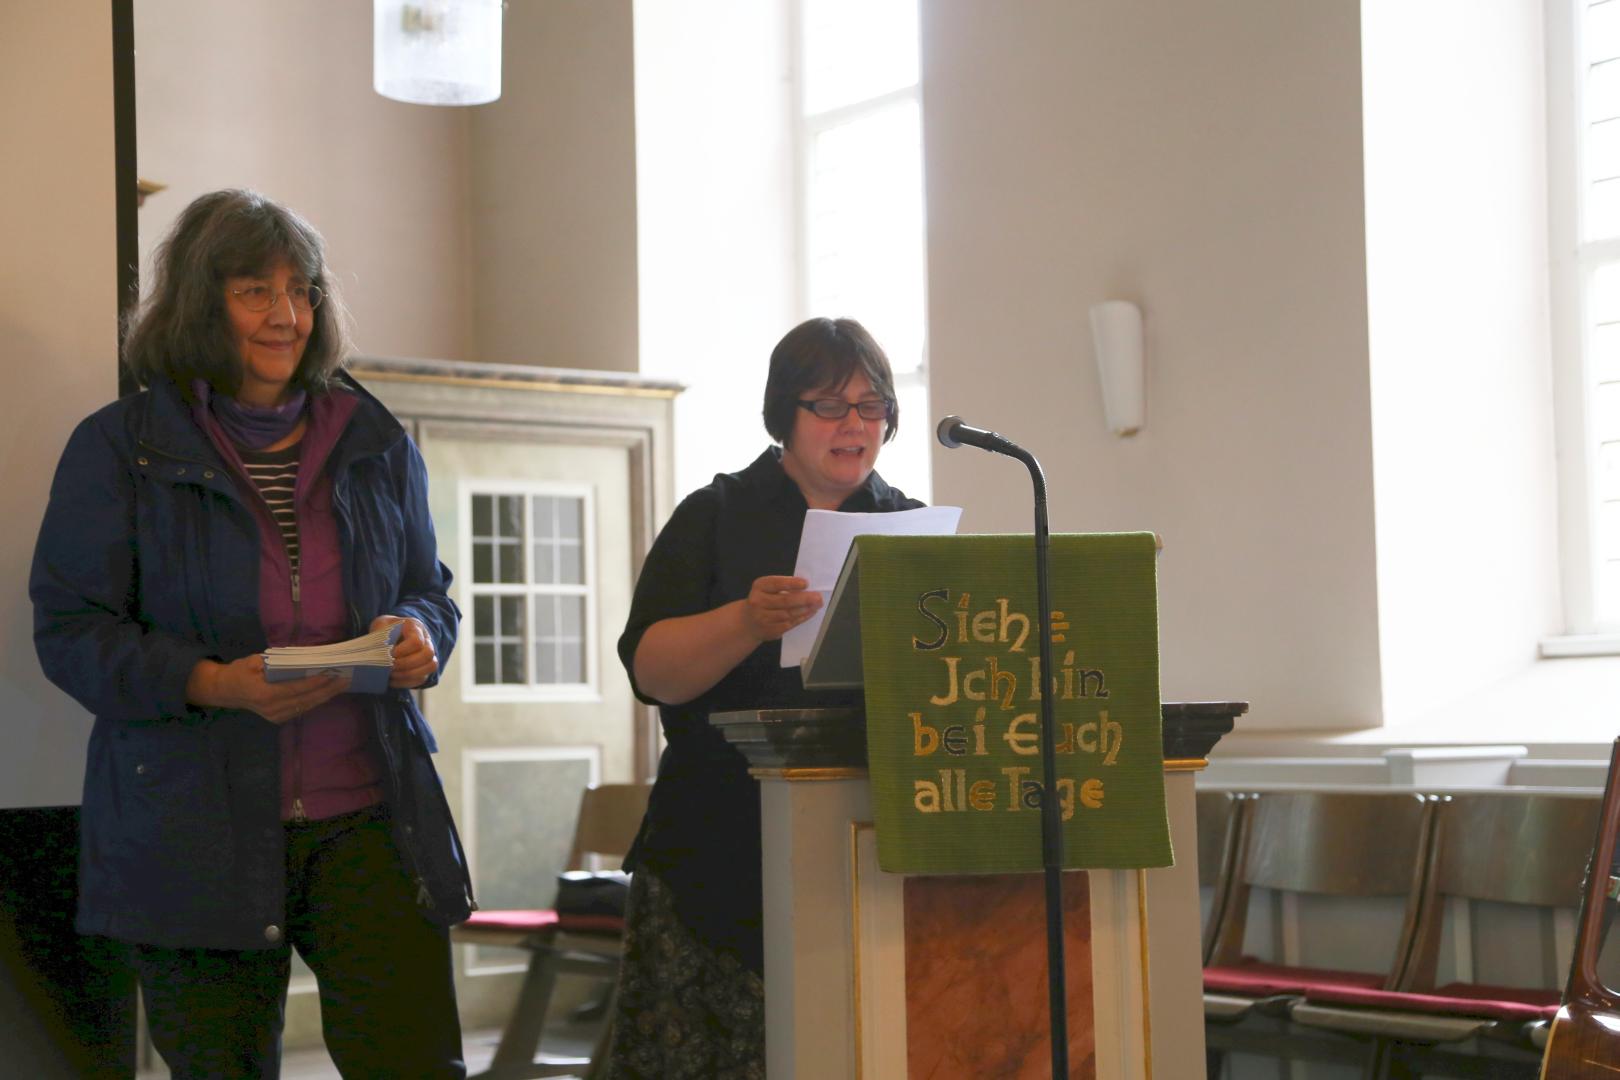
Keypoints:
pixel 167 426
pixel 767 476
pixel 372 429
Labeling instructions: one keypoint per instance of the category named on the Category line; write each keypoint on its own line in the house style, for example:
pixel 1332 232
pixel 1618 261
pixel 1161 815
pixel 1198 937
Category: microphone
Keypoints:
pixel 953 431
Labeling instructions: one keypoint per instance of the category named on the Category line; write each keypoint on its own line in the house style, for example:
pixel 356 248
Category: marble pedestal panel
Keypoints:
pixel 881 976
pixel 976 993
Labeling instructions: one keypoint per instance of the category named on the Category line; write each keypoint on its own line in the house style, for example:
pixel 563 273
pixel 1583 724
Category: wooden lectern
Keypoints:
pixel 883 976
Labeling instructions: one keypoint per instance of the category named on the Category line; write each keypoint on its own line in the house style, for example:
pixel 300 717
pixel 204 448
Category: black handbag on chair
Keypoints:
pixel 592 892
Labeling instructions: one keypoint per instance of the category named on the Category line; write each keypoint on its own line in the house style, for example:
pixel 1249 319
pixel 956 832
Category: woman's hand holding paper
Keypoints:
pixel 777 604
pixel 241 685
pixel 415 658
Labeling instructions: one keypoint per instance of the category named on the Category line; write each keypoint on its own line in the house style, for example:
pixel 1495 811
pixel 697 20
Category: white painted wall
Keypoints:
pixel 1205 162
pixel 229 94
pixel 552 168
pixel 504 232
pixel 714 191
pixel 58 289
pixel 1457 251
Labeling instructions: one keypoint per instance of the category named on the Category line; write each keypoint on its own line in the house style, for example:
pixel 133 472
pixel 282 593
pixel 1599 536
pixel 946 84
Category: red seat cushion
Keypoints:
pixel 517 922
pixel 1257 979
pixel 1457 999
pixel 592 924
pixel 535 921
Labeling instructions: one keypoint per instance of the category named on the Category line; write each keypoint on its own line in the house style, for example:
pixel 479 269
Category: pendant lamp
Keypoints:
pixel 437 52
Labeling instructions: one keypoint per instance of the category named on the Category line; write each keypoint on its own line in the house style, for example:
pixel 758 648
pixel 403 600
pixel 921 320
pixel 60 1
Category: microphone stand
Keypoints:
pixel 1051 818
pixel 951 429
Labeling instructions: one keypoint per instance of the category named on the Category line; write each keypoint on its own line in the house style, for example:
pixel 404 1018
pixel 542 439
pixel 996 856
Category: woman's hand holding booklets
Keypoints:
pixel 365 661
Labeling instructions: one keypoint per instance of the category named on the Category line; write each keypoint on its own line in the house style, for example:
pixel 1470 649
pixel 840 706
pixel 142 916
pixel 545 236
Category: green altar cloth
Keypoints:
pixel 951 660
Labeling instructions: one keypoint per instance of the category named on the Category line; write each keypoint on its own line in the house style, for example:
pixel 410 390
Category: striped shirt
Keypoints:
pixel 274 473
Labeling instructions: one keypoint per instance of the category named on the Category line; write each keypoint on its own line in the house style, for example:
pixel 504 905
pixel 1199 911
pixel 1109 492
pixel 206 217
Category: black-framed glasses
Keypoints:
pixel 831 408
pixel 263 297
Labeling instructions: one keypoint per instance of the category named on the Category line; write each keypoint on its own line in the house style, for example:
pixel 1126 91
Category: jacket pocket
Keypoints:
pixel 172 795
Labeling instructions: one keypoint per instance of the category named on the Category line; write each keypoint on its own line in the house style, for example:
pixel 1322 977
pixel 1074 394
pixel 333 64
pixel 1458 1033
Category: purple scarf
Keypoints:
pixel 252 427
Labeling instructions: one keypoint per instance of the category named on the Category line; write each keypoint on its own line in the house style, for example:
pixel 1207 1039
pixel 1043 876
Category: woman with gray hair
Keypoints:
pixel 254 495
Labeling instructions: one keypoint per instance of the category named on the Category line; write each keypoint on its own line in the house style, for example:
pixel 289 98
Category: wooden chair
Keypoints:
pixel 1517 858
pixel 1582 1042
pixel 1220 833
pixel 1367 848
pixel 609 816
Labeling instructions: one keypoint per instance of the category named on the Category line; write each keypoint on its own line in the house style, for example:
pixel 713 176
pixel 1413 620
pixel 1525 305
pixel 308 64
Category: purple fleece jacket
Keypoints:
pixel 329 762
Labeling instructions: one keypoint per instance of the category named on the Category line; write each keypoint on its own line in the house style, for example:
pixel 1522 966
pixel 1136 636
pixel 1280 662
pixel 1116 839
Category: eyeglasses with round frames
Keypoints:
pixel 837 408
pixel 263 297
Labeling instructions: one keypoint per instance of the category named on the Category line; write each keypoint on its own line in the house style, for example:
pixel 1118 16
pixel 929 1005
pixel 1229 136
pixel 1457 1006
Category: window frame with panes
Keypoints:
pixel 1583 113
pixel 514 564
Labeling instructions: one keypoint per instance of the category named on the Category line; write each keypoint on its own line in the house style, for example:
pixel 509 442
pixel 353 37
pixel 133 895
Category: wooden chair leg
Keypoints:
pixel 1375 1066
pixel 604 1038
pixel 514 1056
pixel 1393 1064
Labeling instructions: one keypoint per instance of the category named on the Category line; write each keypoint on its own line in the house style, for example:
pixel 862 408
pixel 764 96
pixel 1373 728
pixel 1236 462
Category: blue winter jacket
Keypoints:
pixel 148 562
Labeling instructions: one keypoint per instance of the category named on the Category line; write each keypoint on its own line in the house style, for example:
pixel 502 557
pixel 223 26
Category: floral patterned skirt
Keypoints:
pixel 684 1010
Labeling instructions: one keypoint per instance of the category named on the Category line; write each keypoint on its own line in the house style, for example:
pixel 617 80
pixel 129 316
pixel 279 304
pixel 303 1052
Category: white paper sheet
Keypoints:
pixel 824 543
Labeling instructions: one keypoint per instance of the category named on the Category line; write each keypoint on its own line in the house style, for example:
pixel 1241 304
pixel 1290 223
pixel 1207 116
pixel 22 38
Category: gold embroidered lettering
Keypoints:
pixel 924 739
pixel 1007 620
pixel 1021 741
pixel 1107 728
pixel 1015 785
pixel 925 796
pixel 971 680
pixel 949 696
pixel 997 677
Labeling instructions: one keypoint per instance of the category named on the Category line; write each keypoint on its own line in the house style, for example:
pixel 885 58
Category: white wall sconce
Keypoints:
pixel 437 52
pixel 1116 330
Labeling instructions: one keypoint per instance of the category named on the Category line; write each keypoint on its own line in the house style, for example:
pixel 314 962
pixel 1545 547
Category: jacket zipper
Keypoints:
pixel 298 814
pixel 298 612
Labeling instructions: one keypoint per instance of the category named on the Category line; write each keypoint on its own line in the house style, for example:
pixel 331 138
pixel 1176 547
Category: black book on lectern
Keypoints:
pixel 834 661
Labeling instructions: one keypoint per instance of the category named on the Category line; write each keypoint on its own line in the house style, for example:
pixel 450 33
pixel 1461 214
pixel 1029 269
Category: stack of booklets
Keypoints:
pixel 365 661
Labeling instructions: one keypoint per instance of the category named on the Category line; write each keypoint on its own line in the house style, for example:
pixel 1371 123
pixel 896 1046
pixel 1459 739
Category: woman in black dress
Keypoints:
pixel 704 635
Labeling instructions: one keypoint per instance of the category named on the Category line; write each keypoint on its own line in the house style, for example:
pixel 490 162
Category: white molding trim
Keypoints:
pixel 1553 648
pixel 1118 978
pixel 1571 264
